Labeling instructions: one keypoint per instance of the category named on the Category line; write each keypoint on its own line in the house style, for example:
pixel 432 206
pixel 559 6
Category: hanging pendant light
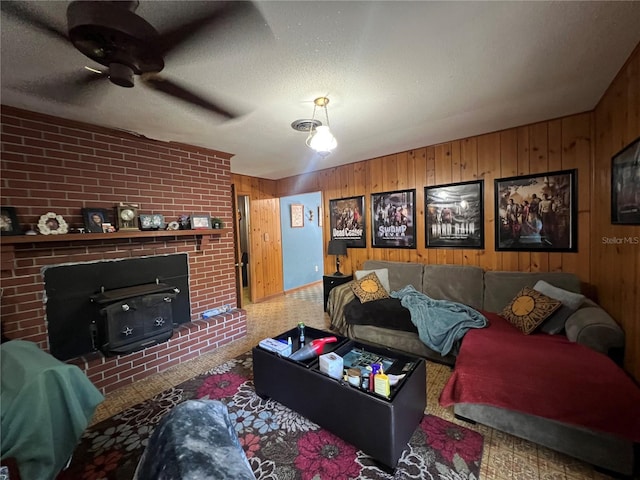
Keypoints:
pixel 320 138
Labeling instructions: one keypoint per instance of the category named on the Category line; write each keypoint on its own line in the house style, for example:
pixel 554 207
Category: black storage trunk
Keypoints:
pixel 380 427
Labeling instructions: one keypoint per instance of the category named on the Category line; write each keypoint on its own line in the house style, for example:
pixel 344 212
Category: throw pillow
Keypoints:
pixel 369 288
pixel 529 309
pixel 382 273
pixel 570 303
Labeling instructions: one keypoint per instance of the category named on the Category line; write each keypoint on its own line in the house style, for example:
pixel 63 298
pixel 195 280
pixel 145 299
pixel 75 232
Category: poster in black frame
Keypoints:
pixel 537 212
pixel 454 215
pixel 347 221
pixel 625 185
pixel 393 219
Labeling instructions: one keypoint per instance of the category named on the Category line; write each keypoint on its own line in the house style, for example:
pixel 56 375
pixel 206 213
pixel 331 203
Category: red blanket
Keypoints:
pixel 544 375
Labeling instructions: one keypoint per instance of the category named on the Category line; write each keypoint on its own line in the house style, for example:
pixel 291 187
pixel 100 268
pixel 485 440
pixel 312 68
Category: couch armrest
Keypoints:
pixel 338 297
pixel 590 325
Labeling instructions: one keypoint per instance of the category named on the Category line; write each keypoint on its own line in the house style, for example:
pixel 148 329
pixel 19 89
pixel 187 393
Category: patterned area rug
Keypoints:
pixel 279 443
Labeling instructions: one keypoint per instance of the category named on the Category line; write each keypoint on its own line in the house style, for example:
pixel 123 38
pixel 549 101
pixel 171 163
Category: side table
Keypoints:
pixel 331 281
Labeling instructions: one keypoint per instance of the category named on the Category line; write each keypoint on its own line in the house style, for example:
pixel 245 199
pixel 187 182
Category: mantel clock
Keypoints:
pixel 127 216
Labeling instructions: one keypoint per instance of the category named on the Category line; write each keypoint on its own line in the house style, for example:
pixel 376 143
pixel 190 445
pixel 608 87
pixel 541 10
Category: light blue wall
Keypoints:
pixel 301 247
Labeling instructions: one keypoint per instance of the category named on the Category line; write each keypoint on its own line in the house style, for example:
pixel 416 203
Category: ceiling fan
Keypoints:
pixel 113 35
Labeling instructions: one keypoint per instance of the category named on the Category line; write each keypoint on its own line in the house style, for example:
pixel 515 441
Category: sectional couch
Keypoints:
pixel 491 291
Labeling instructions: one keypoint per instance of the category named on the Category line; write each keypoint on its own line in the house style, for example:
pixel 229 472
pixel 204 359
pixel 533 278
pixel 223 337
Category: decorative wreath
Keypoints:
pixel 52 224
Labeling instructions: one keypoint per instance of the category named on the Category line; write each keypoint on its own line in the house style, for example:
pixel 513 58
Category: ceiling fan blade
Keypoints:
pixel 242 15
pixel 169 87
pixel 70 88
pixel 20 11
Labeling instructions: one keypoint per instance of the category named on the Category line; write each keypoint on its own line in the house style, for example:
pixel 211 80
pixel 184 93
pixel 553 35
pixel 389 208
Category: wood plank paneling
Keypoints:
pixel 419 157
pixel 576 154
pixel 615 267
pixel 537 148
pixel 489 169
pixel 265 244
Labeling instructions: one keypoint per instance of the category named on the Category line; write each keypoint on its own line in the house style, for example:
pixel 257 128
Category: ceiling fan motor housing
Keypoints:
pixel 111 34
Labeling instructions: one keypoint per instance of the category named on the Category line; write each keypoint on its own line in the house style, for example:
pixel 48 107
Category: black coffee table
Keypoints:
pixel 381 427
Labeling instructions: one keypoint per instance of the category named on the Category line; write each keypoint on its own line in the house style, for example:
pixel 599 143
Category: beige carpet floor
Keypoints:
pixel 504 458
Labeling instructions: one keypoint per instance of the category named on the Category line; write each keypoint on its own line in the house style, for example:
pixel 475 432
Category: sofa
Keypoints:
pixel 592 417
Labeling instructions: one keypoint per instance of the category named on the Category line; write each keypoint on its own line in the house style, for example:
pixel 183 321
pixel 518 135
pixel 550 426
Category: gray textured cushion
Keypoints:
pixel 457 283
pixel 590 325
pixel 501 287
pixel 400 274
pixel 570 303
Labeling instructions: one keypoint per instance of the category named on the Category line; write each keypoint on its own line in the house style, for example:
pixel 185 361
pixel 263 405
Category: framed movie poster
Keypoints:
pixel 394 219
pixel 625 185
pixel 537 212
pixel 454 215
pixel 347 221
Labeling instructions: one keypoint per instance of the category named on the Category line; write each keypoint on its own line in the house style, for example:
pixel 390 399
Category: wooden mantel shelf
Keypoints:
pixel 202 236
pixel 85 237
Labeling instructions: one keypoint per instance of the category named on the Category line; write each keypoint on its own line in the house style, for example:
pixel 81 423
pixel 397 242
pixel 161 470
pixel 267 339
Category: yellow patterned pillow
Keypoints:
pixel 529 309
pixel 369 288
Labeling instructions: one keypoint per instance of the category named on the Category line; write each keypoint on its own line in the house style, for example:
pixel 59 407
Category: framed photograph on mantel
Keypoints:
pixel 347 221
pixel 9 224
pixel 625 185
pixel 200 221
pixel 537 212
pixel 455 215
pixel 95 218
pixel 394 219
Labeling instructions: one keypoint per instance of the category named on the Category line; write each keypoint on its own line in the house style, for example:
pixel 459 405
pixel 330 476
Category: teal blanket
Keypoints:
pixel 440 323
pixel 45 406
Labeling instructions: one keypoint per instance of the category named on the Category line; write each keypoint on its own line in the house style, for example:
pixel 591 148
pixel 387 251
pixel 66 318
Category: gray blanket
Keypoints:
pixel 440 323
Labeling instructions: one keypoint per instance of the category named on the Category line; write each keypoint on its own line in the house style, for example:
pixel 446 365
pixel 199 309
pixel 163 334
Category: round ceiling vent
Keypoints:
pixel 306 124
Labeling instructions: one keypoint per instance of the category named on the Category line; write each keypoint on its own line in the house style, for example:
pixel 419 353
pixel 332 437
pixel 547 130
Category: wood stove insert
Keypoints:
pixel 79 295
pixel 134 318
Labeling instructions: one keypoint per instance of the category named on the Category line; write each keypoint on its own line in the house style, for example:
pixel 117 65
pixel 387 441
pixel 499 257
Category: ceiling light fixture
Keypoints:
pixel 320 138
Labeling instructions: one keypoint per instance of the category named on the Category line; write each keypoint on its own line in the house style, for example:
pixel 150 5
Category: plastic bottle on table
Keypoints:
pixel 381 384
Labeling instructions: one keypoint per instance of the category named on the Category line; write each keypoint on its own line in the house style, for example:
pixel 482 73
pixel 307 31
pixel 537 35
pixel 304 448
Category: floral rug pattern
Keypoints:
pixel 279 443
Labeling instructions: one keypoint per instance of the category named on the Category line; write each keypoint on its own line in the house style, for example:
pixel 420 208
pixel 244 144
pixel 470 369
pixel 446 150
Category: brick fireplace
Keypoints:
pixel 51 164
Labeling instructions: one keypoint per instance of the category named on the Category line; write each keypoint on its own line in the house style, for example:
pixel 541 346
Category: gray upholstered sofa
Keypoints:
pixel 491 292
pixel 470 285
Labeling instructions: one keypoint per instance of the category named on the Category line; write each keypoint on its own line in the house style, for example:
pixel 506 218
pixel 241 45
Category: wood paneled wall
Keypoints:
pixel 554 145
pixel 265 247
pixel 615 267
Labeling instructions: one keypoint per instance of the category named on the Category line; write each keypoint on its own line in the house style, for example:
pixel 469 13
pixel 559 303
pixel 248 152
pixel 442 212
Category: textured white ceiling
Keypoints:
pixel 399 75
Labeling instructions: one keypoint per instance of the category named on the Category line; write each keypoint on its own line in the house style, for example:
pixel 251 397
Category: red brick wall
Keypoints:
pixel 51 164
